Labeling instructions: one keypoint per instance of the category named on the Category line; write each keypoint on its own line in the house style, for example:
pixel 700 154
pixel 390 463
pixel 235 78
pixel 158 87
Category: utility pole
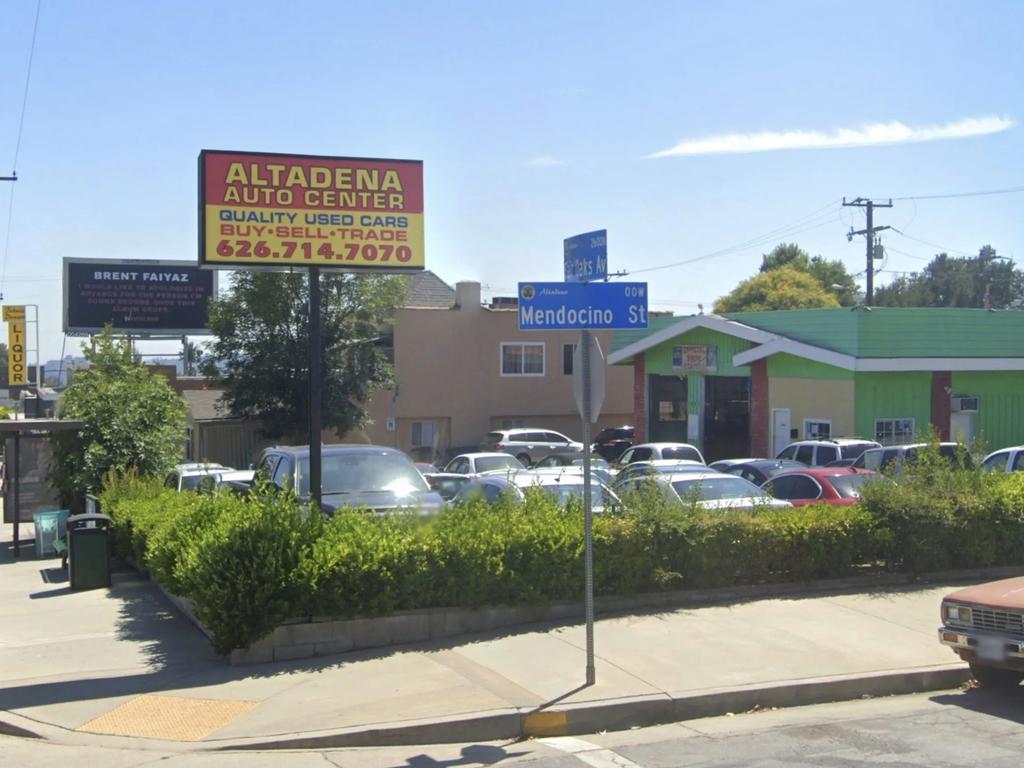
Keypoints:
pixel 869 236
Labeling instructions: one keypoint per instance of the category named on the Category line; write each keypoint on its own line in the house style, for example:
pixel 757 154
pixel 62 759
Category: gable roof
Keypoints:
pixel 428 290
pixel 856 338
pixel 669 327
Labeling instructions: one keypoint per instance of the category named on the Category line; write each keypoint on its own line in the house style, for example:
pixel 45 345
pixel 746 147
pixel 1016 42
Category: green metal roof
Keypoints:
pixel 883 331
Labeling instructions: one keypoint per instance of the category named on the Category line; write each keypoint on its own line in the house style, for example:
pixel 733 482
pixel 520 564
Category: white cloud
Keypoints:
pixel 544 161
pixel 873 134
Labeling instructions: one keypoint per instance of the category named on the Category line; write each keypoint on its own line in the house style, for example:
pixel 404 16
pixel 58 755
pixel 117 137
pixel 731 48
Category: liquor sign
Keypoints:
pixel 272 211
pixel 17 371
pixel 142 297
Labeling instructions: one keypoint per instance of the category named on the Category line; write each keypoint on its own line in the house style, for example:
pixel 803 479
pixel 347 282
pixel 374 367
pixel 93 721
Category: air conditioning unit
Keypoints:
pixel 963 403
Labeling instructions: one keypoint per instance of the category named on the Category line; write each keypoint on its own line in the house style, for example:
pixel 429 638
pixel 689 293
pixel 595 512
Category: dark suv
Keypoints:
pixel 377 478
pixel 611 442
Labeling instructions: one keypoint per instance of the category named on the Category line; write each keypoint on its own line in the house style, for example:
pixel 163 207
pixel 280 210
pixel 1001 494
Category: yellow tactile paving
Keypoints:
pixel 168 717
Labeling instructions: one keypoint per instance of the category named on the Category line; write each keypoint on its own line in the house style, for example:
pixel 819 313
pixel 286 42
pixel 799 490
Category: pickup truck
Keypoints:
pixel 985 626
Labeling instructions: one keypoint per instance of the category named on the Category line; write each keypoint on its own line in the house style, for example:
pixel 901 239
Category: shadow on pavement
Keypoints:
pixel 474 754
pixel 1005 704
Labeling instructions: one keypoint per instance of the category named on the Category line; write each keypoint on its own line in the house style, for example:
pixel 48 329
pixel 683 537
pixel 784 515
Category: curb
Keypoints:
pixel 621 714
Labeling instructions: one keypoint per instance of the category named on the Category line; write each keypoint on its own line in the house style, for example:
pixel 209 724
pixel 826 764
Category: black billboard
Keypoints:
pixel 158 298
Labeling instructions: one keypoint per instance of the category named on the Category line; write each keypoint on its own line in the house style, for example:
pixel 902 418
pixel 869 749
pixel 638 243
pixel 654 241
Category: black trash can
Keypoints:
pixel 89 551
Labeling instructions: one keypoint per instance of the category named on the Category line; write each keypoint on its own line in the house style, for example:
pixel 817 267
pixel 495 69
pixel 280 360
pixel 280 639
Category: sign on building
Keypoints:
pixel 142 297
pixel 274 211
pixel 695 357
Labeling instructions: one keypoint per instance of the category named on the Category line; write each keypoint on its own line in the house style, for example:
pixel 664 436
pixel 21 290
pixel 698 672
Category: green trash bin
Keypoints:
pixel 89 551
pixel 51 526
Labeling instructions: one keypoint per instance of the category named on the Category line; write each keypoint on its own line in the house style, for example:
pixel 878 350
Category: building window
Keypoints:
pixel 894 431
pixel 423 434
pixel 568 350
pixel 817 429
pixel 512 423
pixel 522 359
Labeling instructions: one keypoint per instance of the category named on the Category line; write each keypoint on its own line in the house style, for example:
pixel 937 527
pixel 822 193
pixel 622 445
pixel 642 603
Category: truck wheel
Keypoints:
pixel 994 677
pixel 524 459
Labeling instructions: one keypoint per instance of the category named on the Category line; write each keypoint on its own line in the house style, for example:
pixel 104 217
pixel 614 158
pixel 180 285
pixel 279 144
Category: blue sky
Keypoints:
pixel 535 121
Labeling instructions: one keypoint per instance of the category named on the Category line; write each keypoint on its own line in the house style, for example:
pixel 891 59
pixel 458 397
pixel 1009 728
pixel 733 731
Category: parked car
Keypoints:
pixel 757 471
pixel 560 484
pixel 377 478
pixel 984 625
pixel 232 479
pixel 529 445
pixel 839 486
pixel 1005 460
pixel 477 463
pixel 896 456
pixel 662 466
pixel 186 477
pixel 598 466
pixel 709 490
pixel 818 453
pixel 447 484
pixel 660 451
pixel 611 442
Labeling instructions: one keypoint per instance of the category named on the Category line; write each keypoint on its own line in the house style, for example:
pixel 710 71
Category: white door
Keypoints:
pixel 780 430
pixel 961 426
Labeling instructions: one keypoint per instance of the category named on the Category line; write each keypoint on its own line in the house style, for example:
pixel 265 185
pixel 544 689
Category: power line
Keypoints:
pixel 805 223
pixel 1005 191
pixel 933 245
pixel 17 146
pixel 869 236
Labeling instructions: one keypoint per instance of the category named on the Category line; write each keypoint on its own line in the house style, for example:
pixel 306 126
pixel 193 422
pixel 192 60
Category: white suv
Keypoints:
pixel 818 453
pixel 530 445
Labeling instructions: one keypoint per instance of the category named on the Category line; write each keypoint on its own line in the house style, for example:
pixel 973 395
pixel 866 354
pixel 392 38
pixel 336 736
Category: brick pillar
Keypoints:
pixel 760 413
pixel 639 399
pixel 942 388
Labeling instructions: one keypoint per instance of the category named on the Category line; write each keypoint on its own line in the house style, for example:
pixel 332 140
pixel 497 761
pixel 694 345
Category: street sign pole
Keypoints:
pixel 588 530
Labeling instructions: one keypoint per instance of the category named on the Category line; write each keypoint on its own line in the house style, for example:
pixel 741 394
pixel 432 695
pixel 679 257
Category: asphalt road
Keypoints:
pixel 951 728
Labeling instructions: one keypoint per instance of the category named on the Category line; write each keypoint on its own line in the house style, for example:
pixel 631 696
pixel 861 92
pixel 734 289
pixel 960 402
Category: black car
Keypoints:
pixel 369 476
pixel 611 442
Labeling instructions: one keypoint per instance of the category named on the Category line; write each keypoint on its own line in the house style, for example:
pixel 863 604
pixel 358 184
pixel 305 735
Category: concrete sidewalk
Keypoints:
pixel 123 665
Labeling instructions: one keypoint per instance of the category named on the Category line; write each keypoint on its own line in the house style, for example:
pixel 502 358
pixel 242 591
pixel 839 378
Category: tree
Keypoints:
pixel 780 288
pixel 986 280
pixel 830 273
pixel 132 420
pixel 260 353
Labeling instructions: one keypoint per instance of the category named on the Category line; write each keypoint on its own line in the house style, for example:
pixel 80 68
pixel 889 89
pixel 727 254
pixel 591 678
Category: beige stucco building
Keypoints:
pixel 464 368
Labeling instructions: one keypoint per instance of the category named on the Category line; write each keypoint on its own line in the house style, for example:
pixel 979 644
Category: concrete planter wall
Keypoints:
pixel 304 638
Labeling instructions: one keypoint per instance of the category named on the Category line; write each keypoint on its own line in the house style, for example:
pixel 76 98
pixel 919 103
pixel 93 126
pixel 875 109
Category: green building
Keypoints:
pixel 748 383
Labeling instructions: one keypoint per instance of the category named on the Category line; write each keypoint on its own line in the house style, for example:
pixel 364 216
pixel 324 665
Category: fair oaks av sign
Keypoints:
pixel 155 298
pixel 274 211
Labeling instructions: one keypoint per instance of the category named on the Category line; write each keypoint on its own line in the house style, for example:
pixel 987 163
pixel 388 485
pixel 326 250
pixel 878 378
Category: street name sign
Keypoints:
pixel 586 257
pixel 582 306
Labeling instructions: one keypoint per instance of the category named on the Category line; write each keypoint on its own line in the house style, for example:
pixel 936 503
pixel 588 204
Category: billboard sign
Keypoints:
pixel 580 306
pixel 17 370
pixel 141 297
pixel 272 211
pixel 586 257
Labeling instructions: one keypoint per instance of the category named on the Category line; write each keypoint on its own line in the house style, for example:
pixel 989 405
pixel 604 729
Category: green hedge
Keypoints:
pixel 249 563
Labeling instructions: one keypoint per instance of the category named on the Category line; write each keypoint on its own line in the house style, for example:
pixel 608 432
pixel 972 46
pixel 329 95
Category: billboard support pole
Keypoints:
pixel 315 393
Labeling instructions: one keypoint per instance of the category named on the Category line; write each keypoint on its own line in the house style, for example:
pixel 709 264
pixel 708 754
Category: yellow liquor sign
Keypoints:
pixel 17 372
pixel 14 312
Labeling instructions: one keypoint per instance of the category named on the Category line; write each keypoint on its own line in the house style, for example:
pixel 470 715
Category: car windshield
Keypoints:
pixel 681 452
pixel 715 488
pixel 853 450
pixel 491 463
pixel 848 486
pixel 191 482
pixel 364 473
pixel 562 492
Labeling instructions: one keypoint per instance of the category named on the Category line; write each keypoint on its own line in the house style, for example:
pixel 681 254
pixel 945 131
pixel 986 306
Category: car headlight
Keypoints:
pixel 959 613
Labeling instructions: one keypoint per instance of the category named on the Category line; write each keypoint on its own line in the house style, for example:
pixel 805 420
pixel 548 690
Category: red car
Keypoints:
pixel 831 485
